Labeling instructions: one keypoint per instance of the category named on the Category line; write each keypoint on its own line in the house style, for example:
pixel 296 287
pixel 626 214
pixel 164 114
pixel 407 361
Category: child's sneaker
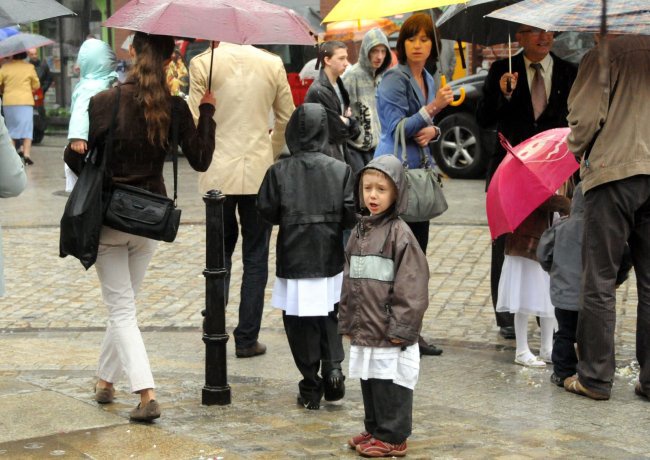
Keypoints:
pixel 358 439
pixel 377 448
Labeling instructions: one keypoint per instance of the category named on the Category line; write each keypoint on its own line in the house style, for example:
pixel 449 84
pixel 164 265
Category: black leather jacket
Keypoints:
pixel 309 195
pixel 322 92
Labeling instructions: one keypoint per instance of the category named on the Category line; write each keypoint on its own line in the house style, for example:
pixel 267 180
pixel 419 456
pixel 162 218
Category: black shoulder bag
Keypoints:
pixel 140 212
pixel 83 216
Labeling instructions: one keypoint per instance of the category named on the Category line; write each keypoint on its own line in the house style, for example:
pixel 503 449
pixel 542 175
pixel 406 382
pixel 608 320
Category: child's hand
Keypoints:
pixel 78 146
pixel 397 341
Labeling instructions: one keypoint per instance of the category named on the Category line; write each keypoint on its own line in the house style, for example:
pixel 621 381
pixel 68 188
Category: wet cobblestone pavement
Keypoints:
pixel 471 402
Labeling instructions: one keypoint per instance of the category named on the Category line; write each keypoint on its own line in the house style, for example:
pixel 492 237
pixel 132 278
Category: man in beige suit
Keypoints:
pixel 249 84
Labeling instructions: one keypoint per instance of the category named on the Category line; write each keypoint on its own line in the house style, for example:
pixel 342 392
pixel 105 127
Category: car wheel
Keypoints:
pixel 459 153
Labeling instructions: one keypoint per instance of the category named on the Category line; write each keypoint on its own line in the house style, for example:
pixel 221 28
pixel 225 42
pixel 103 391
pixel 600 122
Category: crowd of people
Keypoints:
pixel 347 266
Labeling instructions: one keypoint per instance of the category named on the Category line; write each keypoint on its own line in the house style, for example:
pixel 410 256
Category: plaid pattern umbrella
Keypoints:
pixel 623 16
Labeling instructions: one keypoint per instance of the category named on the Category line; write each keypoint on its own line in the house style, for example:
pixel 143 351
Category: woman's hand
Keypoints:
pixel 503 83
pixel 208 98
pixel 426 135
pixel 444 97
pixel 79 146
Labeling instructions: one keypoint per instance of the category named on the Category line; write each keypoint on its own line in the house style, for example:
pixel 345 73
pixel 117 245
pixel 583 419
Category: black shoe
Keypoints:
pixel 508 332
pixel 28 161
pixel 256 350
pixel 308 403
pixel 428 349
pixel 557 380
pixel 334 384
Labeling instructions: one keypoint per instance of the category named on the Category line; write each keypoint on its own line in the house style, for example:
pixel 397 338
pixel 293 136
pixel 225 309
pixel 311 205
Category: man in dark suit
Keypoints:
pixel 535 100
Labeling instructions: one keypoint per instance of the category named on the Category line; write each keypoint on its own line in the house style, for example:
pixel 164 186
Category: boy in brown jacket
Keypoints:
pixel 384 297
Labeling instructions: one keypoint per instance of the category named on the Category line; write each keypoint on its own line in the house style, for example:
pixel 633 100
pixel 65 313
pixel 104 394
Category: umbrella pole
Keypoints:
pixel 211 62
pixel 509 83
pixel 443 80
pixel 603 45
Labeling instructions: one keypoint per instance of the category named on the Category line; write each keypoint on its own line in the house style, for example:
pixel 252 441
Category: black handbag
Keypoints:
pixel 425 197
pixel 83 216
pixel 140 212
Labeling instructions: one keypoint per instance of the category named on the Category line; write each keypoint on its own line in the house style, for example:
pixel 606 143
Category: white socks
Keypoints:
pixel 547 326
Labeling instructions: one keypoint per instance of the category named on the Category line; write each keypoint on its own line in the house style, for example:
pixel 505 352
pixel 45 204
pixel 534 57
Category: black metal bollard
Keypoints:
pixel 216 389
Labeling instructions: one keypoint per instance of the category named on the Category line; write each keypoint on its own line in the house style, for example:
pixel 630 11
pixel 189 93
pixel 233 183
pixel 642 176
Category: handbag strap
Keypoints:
pixel 174 147
pixel 400 141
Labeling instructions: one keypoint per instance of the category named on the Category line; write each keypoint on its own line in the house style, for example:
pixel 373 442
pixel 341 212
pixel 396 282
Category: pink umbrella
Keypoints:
pixel 533 171
pixel 244 22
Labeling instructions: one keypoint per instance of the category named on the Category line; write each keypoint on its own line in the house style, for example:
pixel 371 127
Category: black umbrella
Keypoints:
pixel 466 22
pixel 20 11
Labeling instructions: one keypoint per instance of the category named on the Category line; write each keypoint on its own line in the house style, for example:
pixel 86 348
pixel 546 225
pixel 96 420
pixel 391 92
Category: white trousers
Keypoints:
pixel 122 261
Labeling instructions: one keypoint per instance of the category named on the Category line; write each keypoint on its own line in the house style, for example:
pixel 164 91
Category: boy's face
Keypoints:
pixel 378 191
pixel 377 55
pixel 338 62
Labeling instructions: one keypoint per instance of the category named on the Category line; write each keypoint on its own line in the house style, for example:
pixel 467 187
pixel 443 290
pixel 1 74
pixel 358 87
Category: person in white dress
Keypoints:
pixel 524 287
pixel 384 297
pixel 309 195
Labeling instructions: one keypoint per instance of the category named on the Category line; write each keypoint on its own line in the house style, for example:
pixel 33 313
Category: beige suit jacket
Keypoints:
pixel 250 85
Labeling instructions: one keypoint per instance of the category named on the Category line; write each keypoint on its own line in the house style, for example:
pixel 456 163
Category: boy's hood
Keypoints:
pixel 307 129
pixel 96 60
pixel 373 38
pixel 392 167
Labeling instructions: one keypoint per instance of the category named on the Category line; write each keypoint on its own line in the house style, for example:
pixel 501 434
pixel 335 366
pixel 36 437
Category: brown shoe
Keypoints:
pixel 257 349
pixel 147 413
pixel 639 391
pixel 104 395
pixel 573 385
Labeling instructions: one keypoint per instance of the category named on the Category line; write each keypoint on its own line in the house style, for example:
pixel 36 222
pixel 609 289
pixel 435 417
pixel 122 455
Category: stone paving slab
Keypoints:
pixel 469 403
pixel 48 412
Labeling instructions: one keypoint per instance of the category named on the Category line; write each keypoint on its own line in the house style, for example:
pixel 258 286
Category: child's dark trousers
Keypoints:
pixel 388 410
pixel 315 345
pixel 564 353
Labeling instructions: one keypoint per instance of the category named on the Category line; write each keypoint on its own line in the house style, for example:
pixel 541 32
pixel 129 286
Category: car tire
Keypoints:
pixel 459 153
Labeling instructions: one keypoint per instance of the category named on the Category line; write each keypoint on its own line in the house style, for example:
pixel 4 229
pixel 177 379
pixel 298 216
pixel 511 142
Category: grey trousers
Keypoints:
pixel 388 410
pixel 615 212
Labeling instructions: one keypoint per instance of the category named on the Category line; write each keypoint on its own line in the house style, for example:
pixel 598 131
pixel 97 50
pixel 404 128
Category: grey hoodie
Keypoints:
pixel 361 81
pixel 385 281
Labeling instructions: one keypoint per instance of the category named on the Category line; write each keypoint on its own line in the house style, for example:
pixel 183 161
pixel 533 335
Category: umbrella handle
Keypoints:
pixel 460 100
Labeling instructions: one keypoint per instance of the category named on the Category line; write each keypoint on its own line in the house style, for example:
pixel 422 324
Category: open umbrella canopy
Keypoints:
pixel 530 173
pixel 21 42
pixel 14 12
pixel 7 32
pixel 356 30
pixel 243 22
pixel 466 22
pixel 354 10
pixel 623 16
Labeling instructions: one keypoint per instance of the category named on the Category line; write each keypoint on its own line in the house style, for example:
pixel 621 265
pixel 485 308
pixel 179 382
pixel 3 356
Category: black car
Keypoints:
pixel 464 148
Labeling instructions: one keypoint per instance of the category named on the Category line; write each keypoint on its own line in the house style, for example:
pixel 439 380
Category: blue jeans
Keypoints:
pixel 256 233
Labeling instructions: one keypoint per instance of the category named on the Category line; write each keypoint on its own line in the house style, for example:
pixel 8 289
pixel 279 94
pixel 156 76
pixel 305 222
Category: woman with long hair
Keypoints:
pixel 145 120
